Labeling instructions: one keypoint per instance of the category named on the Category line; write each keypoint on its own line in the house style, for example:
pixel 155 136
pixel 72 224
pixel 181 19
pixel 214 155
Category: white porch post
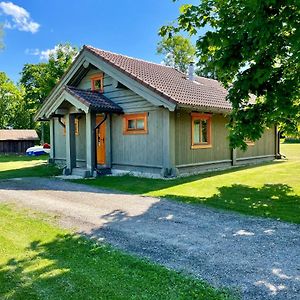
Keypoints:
pixel 52 141
pixel 70 143
pixel 90 142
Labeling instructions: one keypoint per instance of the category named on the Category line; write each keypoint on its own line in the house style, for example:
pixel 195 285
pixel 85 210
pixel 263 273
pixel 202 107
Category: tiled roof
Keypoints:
pixel 18 135
pixel 169 82
pixel 95 100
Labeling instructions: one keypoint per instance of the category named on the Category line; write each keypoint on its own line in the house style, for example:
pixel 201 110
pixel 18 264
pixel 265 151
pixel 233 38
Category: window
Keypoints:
pixel 76 124
pixel 201 130
pixel 97 83
pixel 135 124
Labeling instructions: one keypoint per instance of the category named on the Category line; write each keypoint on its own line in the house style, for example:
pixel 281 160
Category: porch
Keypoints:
pixel 80 125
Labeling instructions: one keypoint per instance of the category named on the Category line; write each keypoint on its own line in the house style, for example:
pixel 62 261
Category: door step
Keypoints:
pixel 81 172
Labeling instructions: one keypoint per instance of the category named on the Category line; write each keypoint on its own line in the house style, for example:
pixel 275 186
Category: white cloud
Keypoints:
pixel 45 54
pixel 20 18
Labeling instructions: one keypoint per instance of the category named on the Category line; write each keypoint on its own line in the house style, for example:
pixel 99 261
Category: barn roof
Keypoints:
pixel 18 135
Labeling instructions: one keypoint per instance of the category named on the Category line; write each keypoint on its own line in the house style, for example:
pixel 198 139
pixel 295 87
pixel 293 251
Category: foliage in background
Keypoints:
pixel 178 51
pixel 254 48
pixel 39 79
pixel 12 105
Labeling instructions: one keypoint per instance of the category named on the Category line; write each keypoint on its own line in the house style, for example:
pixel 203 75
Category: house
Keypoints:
pixel 117 113
pixel 17 140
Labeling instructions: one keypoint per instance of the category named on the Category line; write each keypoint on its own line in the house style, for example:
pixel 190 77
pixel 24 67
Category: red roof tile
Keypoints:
pixel 169 82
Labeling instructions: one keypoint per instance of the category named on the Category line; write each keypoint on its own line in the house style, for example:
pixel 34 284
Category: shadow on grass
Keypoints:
pixel 72 267
pixel 272 200
pixel 140 185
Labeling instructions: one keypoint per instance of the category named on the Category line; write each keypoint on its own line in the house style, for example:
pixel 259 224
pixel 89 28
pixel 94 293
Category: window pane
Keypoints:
pixel 204 131
pixel 140 124
pixel 196 131
pixel 97 84
pixel 131 124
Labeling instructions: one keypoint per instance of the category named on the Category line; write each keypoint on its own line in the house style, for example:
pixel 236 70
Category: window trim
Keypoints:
pixel 135 117
pixel 201 117
pixel 95 78
pixel 76 125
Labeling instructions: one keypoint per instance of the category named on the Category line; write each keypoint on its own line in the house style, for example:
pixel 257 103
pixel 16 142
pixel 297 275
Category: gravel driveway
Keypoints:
pixel 259 257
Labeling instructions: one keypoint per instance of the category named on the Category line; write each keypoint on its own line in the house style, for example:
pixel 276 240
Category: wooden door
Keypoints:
pixel 100 141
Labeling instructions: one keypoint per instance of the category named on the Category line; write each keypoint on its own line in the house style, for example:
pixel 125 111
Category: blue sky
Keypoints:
pixel 124 26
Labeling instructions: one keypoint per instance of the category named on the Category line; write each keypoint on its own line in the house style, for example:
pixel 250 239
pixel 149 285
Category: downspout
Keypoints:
pixel 277 143
pixel 95 136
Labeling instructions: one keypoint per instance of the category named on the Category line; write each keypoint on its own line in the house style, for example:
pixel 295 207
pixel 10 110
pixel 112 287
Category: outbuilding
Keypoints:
pixel 17 140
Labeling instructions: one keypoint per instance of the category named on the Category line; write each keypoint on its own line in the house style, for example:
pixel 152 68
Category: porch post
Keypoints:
pixel 90 142
pixel 52 141
pixel 70 143
pixel 169 144
pixel 233 156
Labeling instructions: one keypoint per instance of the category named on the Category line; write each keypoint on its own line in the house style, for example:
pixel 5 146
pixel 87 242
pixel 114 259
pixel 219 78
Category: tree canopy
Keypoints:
pixel 178 50
pixel 39 79
pixel 253 46
pixel 12 105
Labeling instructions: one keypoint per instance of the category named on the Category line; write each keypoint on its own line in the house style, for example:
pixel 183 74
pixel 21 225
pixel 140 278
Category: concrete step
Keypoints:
pixel 80 172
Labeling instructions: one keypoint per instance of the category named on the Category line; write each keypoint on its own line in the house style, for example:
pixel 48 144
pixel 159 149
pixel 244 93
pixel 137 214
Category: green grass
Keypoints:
pixel 41 261
pixel 268 190
pixel 12 166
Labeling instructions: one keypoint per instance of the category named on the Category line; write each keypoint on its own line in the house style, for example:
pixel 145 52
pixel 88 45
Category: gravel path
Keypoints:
pixel 259 257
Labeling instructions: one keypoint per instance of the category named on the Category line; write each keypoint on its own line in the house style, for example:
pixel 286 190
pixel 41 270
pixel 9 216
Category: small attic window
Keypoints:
pixel 97 83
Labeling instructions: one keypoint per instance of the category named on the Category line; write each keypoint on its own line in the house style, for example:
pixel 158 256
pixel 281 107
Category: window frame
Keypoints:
pixel 201 117
pixel 94 78
pixel 135 117
pixel 76 125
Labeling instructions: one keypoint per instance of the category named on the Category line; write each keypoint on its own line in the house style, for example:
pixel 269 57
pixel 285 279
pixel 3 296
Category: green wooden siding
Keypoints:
pixel 138 149
pixel 264 146
pixel 183 139
pixel 127 99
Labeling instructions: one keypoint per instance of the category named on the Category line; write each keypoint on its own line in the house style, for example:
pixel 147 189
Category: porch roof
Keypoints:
pixel 94 100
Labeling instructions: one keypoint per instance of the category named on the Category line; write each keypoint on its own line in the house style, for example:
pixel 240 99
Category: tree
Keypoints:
pixel 11 99
pixel 254 48
pixel 178 51
pixel 39 79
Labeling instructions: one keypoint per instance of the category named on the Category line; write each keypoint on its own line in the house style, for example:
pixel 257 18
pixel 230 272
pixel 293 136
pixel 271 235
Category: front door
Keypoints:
pixel 100 141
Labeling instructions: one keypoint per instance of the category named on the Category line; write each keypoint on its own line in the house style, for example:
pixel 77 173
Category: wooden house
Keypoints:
pixel 115 113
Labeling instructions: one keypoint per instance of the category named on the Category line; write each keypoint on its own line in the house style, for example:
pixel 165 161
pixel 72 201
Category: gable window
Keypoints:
pixel 135 123
pixel 97 83
pixel 201 130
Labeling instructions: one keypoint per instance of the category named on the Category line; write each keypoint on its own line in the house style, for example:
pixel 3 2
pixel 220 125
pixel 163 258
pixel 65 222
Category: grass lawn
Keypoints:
pixel 24 166
pixel 41 261
pixel 268 190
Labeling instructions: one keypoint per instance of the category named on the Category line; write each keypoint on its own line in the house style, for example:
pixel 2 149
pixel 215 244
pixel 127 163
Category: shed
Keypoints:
pixel 17 140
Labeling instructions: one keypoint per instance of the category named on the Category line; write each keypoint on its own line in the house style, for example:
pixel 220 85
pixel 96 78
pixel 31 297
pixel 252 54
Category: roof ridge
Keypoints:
pixel 131 57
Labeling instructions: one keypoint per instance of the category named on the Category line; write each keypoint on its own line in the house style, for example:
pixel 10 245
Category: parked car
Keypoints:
pixel 38 150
